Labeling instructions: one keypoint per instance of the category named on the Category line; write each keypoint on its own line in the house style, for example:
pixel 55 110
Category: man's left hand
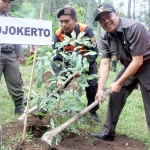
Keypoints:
pixel 115 87
pixel 20 60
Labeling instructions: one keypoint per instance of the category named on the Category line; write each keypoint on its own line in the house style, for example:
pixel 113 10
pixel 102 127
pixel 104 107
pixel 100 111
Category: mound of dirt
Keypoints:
pixel 47 75
pixel 12 132
pixel 37 126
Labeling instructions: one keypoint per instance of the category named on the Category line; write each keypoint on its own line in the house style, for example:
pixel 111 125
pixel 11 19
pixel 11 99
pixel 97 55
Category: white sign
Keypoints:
pixel 25 31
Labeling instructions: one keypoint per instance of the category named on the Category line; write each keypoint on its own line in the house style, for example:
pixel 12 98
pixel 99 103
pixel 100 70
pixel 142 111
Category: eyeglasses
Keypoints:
pixel 108 16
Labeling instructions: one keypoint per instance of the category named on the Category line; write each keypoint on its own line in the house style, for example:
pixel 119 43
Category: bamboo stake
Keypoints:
pixel 31 80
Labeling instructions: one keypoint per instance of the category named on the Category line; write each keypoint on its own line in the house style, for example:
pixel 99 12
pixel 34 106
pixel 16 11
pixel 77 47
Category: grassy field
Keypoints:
pixel 132 120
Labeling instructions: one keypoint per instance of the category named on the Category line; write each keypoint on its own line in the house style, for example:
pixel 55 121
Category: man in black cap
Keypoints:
pixel 10 57
pixel 68 23
pixel 128 41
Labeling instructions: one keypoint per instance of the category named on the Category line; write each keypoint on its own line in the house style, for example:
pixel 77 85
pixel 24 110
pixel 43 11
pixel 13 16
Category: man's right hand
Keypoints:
pixel 59 84
pixel 75 74
pixel 99 96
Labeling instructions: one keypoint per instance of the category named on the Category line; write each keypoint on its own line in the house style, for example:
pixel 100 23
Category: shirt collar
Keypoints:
pixel 119 29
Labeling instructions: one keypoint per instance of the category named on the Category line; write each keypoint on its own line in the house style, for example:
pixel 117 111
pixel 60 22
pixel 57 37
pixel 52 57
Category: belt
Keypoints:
pixel 6 52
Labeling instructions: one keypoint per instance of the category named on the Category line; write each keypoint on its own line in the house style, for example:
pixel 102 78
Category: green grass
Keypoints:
pixel 131 122
pixel 6 104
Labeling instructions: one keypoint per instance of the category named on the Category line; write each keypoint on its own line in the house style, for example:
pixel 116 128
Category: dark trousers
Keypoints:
pixel 10 68
pixel 91 90
pixel 118 100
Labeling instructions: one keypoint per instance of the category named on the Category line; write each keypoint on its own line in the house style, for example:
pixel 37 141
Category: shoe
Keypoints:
pixel 103 137
pixel 19 109
pixel 95 117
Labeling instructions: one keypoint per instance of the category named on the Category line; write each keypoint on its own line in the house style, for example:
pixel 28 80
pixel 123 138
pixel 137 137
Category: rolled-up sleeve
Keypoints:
pixel 104 47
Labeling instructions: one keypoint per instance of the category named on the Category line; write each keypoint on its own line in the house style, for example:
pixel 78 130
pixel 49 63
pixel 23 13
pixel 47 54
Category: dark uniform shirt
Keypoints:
pixel 131 39
pixel 88 33
pixel 90 58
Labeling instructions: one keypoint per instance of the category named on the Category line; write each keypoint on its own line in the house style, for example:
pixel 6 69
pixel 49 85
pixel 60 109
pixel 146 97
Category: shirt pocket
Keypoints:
pixel 113 48
pixel 11 47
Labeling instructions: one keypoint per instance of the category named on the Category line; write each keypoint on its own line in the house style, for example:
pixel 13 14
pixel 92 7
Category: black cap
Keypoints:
pixel 103 8
pixel 67 11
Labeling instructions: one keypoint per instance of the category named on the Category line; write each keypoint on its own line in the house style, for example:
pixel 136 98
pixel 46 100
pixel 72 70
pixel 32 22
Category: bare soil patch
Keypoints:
pixel 12 132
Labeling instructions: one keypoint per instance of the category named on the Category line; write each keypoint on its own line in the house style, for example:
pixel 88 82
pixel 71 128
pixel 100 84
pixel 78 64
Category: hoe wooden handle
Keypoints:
pixel 49 135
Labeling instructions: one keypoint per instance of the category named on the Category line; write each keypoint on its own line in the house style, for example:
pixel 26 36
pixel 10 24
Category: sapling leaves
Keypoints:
pixel 66 103
pixel 81 34
pixel 73 34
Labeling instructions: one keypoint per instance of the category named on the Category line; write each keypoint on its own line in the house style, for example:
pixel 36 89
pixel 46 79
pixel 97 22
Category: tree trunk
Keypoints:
pixel 129 8
pixel 50 7
pixel 149 15
pixel 134 9
pixel 89 19
pixel 98 32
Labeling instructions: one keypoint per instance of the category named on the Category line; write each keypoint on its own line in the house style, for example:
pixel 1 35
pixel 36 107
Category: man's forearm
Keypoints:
pixel 103 78
pixel 103 73
pixel 131 69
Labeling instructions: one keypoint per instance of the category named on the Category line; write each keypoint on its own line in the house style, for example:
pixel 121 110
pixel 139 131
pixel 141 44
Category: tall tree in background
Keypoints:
pixel 134 9
pixel 89 18
pixel 129 8
pixel 98 31
pixel 50 6
pixel 143 13
pixel 149 8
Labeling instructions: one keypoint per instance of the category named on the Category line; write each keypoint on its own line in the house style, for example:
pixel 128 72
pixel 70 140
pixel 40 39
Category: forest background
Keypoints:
pixel 134 9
